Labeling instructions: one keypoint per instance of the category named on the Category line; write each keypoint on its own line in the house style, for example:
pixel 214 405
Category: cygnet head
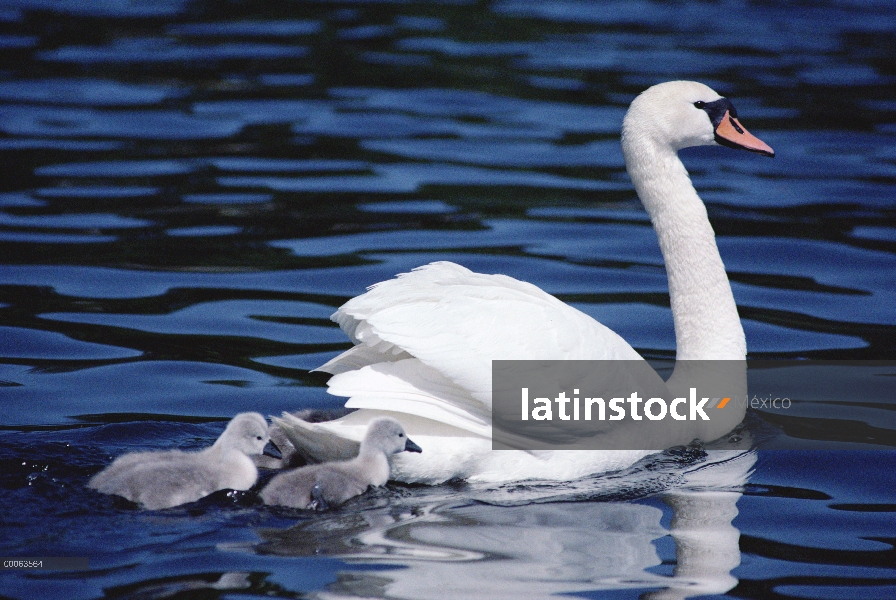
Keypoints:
pixel 681 114
pixel 388 436
pixel 246 432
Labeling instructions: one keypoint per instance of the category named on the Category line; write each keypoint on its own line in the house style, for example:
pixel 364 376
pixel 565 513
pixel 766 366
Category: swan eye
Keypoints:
pixel 700 104
pixel 258 437
pixel 400 435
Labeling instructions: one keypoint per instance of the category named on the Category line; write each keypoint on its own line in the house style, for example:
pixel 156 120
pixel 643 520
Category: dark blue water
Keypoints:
pixel 189 189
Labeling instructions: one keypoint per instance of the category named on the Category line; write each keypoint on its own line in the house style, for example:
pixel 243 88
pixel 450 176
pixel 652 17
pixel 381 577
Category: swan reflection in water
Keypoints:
pixel 531 542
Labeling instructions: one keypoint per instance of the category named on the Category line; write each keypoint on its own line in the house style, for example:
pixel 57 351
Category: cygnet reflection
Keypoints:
pixel 157 480
pixel 330 484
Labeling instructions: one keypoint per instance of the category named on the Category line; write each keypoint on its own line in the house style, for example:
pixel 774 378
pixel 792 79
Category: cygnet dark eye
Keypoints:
pixel 400 435
pixel 258 437
pixel 699 104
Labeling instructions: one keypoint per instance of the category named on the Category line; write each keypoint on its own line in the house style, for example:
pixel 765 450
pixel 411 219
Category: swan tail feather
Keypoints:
pixel 315 442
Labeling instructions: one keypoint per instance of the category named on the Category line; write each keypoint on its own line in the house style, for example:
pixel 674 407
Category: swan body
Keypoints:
pixel 424 341
pixel 158 480
pixel 331 484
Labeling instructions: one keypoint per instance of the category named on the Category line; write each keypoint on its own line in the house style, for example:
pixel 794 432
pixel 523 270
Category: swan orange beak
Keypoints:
pixel 731 133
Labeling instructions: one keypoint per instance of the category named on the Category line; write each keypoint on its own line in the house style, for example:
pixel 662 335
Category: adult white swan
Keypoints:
pixel 424 341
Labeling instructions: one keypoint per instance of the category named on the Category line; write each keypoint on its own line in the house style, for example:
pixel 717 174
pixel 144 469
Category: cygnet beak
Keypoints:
pixel 271 449
pixel 410 446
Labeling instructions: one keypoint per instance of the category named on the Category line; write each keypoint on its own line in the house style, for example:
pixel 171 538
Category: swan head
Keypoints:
pixel 386 435
pixel 681 114
pixel 247 433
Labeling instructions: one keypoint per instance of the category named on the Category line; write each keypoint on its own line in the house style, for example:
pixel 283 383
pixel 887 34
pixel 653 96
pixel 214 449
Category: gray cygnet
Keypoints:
pixel 159 480
pixel 329 484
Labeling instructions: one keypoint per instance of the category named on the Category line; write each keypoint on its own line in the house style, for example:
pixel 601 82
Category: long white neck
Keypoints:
pixel 707 325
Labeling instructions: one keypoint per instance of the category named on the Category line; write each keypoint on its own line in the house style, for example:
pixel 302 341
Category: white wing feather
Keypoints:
pixel 358 357
pixel 411 387
pixel 457 321
pixel 425 342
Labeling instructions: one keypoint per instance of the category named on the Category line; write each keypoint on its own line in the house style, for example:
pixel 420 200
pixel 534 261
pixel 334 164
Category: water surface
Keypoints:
pixel 191 188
